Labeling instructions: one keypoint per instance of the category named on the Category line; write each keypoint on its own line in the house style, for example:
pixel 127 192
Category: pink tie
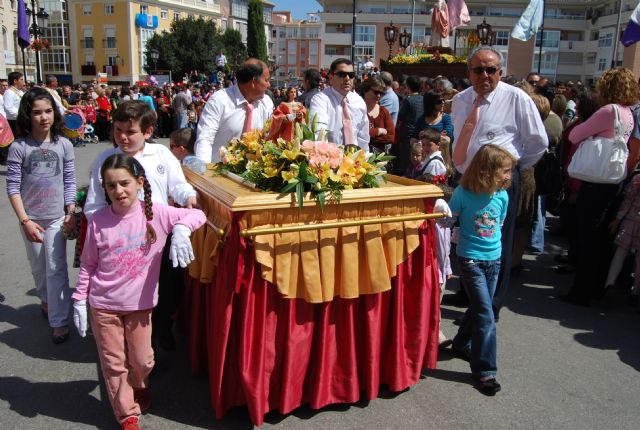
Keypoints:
pixel 346 123
pixel 248 120
pixel 470 124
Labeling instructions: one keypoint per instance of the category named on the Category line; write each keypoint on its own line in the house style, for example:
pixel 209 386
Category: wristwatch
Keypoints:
pixel 25 221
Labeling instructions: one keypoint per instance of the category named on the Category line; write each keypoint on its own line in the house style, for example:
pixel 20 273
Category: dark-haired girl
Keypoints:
pixel 41 185
pixel 119 273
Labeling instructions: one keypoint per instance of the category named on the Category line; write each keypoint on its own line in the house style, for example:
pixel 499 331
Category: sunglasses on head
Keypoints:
pixel 343 75
pixel 480 70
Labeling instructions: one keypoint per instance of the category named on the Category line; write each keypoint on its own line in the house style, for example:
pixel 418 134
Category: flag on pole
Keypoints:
pixel 632 33
pixel 458 13
pixel 24 40
pixel 529 22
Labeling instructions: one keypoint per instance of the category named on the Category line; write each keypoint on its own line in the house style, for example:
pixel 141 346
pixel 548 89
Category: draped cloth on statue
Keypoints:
pixel 317 317
pixel 283 120
pixel 440 25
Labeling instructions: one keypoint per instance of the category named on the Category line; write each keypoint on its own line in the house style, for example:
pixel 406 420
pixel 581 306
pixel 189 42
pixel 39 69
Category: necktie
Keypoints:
pixel 470 124
pixel 248 120
pixel 346 124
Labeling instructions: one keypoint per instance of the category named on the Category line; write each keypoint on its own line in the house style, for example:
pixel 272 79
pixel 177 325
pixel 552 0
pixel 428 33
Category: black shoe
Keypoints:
pixel 578 301
pixel 2 297
pixel 461 354
pixel 60 338
pixel 489 387
pixel 457 321
pixel 458 299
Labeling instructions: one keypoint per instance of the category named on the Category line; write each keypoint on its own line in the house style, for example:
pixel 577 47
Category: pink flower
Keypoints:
pixel 320 153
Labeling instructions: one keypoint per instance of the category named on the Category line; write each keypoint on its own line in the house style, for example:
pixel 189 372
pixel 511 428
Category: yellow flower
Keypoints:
pixel 288 175
pixel 270 172
pixel 347 172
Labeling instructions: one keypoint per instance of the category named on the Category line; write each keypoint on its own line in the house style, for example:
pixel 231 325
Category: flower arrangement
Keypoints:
pixel 436 57
pixel 40 44
pixel 301 164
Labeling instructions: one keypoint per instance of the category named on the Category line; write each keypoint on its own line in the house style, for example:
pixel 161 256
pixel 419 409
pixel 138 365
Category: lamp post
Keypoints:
pixel 40 21
pixel 154 54
pixel 390 35
pixel 486 35
pixel 405 39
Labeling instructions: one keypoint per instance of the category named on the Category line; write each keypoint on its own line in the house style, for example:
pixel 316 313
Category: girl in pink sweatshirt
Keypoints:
pixel 119 272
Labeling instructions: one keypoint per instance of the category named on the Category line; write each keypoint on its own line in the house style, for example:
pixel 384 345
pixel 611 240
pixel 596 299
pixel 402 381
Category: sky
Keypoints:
pixel 298 8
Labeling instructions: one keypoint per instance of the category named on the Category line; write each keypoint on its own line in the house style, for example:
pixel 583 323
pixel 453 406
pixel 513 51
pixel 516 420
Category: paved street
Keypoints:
pixel 561 366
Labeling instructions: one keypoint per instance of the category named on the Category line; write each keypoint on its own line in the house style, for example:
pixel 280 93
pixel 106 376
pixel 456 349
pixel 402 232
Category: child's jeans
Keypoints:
pixel 126 357
pixel 477 333
pixel 48 263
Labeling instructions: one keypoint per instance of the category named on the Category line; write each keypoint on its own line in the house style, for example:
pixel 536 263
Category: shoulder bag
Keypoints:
pixel 601 160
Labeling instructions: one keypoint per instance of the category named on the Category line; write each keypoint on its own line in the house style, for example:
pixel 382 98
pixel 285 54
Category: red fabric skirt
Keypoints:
pixel 269 352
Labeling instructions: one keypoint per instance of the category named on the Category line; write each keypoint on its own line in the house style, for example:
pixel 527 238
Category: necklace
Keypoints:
pixel 45 150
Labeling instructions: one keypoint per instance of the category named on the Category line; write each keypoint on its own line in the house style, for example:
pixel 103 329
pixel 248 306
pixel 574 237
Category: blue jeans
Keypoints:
pixel 477 333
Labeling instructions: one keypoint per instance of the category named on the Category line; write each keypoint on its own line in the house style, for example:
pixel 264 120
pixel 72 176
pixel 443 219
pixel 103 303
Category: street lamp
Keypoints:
pixel 405 39
pixel 40 21
pixel 390 35
pixel 485 34
pixel 154 54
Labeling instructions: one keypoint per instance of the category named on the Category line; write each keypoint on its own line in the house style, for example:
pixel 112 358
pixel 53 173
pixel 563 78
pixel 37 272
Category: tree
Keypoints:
pixel 234 49
pixel 256 38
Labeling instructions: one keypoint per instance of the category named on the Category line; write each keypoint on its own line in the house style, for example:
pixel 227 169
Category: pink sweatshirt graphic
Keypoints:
pixel 119 270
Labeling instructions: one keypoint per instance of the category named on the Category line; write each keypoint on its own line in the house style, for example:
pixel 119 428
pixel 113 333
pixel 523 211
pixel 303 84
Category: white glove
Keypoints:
pixel 441 206
pixel 181 251
pixel 80 316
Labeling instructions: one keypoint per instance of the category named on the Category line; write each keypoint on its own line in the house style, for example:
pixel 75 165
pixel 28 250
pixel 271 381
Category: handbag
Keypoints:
pixel 601 160
pixel 548 174
pixel 6 134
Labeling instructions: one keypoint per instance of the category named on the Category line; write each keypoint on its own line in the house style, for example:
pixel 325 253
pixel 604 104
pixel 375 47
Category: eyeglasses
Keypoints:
pixel 343 75
pixel 533 82
pixel 378 93
pixel 480 70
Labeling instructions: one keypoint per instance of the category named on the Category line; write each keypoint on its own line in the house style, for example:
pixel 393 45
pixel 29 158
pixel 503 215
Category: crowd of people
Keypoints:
pixel 480 139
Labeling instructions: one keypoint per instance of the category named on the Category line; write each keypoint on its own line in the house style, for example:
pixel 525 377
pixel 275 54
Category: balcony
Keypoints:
pixel 337 39
pixel 114 70
pixel 88 70
pixel 86 43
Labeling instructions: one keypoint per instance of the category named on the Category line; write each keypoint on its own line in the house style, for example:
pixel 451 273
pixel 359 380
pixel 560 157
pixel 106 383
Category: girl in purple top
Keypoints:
pixel 41 185
pixel 119 273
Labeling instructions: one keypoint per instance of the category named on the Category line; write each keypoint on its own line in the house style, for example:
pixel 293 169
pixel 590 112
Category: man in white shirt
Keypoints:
pixel 328 107
pixel 11 102
pixel 221 61
pixel 51 87
pixel 224 115
pixel 507 117
pixel 4 86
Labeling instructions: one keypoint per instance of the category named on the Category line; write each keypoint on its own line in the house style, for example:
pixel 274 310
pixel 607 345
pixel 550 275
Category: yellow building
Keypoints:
pixel 110 36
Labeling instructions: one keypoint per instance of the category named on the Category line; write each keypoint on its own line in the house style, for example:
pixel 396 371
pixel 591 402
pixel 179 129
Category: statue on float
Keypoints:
pixel 440 25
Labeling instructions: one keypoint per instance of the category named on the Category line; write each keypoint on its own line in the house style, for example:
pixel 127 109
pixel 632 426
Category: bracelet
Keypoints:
pixel 25 221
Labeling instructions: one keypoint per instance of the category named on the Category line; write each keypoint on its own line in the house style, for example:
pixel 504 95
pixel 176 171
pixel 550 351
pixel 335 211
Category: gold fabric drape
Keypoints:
pixel 319 265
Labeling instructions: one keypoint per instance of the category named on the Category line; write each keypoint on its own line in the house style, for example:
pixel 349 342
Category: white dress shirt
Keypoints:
pixel 57 99
pixel 12 102
pixel 162 170
pixel 327 105
pixel 508 118
pixel 222 119
pixel 2 106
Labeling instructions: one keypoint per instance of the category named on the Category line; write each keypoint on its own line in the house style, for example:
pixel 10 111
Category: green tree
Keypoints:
pixel 256 38
pixel 234 49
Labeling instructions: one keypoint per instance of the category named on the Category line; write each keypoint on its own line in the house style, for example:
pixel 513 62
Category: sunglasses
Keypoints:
pixel 480 70
pixel 533 83
pixel 378 93
pixel 343 75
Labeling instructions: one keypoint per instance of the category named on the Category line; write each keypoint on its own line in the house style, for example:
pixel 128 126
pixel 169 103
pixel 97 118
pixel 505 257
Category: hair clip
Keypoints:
pixel 135 170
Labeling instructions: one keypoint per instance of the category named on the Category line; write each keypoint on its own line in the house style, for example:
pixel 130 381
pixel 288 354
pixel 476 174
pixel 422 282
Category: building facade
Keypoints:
pixel 111 36
pixel 236 13
pixel 11 59
pixel 577 43
pixel 297 47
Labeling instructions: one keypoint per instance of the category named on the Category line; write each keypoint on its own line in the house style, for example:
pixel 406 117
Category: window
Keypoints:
pixel 87 38
pixel 292 32
pixel 602 64
pixel 240 8
pixel 362 51
pixel 313 33
pixel 88 59
pixel 366 34
pixel 377 10
pixel 57 33
pixel 421 33
pixel 145 35
pixel 502 38
pixel 144 9
pixel 281 46
pixel 605 40
pixel 551 39
pixel 399 10
pixel 176 16
pixel 266 15
pixel 109 9
pixel 504 11
pixel 112 60
pixel 292 51
pixel 56 60
pixel 110 38
pixel 591 58
pixel 86 9
pixel 313 53
pixel 164 14
pixel 549 62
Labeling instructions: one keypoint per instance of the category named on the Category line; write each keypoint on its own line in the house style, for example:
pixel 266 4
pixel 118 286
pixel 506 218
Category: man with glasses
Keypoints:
pixel 235 110
pixel 341 112
pixel 494 112
pixel 533 79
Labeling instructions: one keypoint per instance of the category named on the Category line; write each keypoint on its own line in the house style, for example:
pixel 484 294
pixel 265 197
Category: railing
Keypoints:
pixel 87 43
pixel 88 70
